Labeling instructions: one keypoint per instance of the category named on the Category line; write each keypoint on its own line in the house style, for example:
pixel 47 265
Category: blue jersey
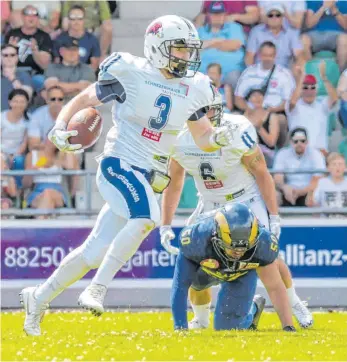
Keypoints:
pixel 195 245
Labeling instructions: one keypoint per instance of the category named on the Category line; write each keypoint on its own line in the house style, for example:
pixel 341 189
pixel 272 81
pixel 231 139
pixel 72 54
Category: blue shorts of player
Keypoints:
pixel 234 309
pixel 127 190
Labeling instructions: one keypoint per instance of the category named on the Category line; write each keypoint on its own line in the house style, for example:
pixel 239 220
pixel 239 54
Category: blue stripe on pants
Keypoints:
pixel 131 188
pixel 235 308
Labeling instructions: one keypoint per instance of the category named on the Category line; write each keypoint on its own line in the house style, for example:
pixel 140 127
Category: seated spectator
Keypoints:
pixel 71 75
pixel 276 82
pixel 47 190
pixel 8 185
pixel 294 187
pixel 11 76
pixel 305 110
pixel 98 20
pixel 331 191
pixel 35 45
pixel 265 122
pixel 49 13
pixel 43 119
pixel 343 148
pixel 89 48
pixel 285 38
pixel 5 17
pixel 294 11
pixel 214 71
pixel 13 126
pixel 245 13
pixel 326 22
pixel 223 42
pixel 342 93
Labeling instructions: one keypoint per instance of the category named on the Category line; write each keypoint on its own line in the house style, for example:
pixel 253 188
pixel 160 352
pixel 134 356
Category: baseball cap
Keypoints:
pixel 69 42
pixel 216 7
pixel 310 79
pixel 277 7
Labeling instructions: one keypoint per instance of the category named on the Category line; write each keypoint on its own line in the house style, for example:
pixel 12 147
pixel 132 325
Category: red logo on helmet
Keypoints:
pixel 155 29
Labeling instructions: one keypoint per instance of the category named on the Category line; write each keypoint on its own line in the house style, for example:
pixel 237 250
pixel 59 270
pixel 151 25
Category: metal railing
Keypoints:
pixel 89 211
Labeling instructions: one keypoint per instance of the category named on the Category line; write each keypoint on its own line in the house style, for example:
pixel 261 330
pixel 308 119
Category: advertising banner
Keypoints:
pixel 34 253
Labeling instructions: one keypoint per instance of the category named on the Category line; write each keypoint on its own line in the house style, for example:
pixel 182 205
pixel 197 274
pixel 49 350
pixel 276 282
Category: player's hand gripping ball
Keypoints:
pixel 88 123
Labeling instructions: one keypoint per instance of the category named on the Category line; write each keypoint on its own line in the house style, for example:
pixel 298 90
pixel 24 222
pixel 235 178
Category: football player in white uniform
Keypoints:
pixel 156 96
pixel 237 173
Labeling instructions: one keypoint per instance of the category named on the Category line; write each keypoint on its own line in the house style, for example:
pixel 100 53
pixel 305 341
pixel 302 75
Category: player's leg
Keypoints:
pixel 201 305
pixel 300 311
pixel 237 306
pixel 72 268
pixel 130 196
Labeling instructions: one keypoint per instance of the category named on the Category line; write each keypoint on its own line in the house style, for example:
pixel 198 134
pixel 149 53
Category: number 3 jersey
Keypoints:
pixel 220 176
pixel 155 109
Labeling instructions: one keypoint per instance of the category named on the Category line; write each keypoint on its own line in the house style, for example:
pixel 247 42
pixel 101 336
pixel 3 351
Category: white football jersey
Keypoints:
pixel 156 109
pixel 220 176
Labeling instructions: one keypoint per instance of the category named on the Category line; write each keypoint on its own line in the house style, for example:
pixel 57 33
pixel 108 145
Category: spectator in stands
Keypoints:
pixel 97 20
pixel 265 122
pixel 294 11
pixel 331 191
pixel 8 185
pixel 13 126
pixel 11 76
pixel 49 14
pixel 294 187
pixel 35 45
pixel 276 81
pixel 285 38
pixel 47 190
pixel 305 110
pixel 43 119
pixel 89 48
pixel 342 93
pixel 214 71
pixel 343 148
pixel 71 75
pixel 245 13
pixel 327 24
pixel 223 42
pixel 5 17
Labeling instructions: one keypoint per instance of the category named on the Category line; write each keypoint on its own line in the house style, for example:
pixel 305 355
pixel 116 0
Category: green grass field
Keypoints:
pixel 149 336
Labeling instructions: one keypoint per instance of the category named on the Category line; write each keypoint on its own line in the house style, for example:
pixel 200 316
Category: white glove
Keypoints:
pixel 166 235
pixel 223 136
pixel 275 225
pixel 59 137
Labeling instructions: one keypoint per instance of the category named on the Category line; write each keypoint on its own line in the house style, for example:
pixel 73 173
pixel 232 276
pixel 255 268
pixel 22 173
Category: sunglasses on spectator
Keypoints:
pixel 55 99
pixel 309 87
pixel 297 141
pixel 7 55
pixel 76 17
pixel 274 15
pixel 29 12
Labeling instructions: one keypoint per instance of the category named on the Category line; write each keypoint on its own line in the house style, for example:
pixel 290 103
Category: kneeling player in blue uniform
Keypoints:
pixel 230 248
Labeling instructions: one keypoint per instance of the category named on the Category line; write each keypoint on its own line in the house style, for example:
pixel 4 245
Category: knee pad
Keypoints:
pixel 143 226
pixel 93 251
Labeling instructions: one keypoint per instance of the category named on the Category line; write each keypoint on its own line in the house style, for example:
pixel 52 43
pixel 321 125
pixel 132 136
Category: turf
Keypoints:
pixel 149 336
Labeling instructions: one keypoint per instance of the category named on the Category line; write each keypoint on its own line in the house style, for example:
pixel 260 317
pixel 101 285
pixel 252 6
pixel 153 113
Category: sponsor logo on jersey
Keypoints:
pixel 210 263
pixel 151 135
pixel 156 29
pixel 161 159
pixel 245 266
pixel 210 185
pixel 234 195
pixel 181 91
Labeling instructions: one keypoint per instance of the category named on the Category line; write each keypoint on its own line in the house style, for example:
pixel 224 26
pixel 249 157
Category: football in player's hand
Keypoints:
pixel 88 123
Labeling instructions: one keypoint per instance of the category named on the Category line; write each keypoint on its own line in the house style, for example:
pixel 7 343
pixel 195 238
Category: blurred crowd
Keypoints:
pixel 280 63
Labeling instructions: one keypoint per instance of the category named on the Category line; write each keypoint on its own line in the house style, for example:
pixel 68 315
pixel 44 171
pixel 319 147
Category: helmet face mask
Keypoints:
pixel 236 233
pixel 216 116
pixel 172 43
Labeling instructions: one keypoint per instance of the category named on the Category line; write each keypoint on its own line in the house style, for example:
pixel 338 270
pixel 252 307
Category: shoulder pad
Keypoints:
pixel 115 66
pixel 205 93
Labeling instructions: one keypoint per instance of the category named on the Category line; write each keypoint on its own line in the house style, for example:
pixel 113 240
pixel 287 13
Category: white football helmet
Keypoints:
pixel 173 31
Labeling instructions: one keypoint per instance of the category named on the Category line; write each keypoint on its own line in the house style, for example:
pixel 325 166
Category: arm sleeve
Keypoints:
pixel 47 44
pixel 95 48
pixel 104 10
pixel 268 249
pixel 244 140
pixel 198 114
pixel 182 280
pixel 66 7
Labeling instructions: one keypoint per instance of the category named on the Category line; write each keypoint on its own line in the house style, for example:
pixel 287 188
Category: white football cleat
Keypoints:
pixel 34 311
pixel 302 314
pixel 196 324
pixel 92 298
